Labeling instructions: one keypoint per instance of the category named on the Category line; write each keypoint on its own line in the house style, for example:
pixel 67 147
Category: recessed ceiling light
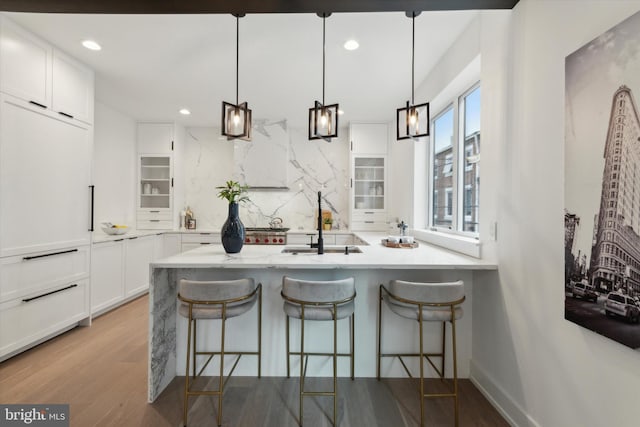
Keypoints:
pixel 184 112
pixel 340 112
pixel 351 45
pixel 90 44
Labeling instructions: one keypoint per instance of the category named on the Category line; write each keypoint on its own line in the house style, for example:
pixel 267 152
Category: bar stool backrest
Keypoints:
pixel 223 290
pixel 318 291
pixel 436 293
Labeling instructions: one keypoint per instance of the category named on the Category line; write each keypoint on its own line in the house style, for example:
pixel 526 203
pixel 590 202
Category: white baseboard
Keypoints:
pixel 511 410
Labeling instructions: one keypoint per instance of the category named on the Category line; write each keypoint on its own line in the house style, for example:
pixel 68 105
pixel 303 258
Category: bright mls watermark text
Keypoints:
pixel 34 415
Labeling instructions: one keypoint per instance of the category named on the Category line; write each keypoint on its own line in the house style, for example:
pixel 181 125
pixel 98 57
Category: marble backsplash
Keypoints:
pixel 312 166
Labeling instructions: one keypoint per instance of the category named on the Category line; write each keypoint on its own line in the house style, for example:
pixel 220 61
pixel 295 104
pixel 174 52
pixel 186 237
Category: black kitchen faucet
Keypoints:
pixel 320 244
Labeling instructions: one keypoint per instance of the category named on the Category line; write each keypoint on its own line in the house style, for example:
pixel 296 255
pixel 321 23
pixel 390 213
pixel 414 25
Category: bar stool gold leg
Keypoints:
pixel 455 366
pixel 444 358
pixel 301 362
pixel 379 331
pixel 221 380
pixel 335 363
pixel 288 349
pixel 186 377
pixel 195 335
pixel 353 344
pixel 421 367
pixel 260 332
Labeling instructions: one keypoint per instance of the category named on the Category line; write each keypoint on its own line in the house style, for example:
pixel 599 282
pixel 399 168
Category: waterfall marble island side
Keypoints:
pixel 267 265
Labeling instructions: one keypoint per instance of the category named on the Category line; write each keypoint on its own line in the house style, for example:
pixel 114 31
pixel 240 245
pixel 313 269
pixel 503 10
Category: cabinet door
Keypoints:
pixel 369 138
pixel 25 64
pixel 138 256
pixel 171 244
pixel 72 88
pixel 44 191
pixel 155 138
pixel 107 274
pixel 369 183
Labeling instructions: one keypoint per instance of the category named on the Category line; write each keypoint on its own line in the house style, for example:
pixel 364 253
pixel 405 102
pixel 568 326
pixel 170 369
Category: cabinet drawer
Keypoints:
pixel 201 238
pixel 369 216
pixel 23 323
pixel 26 274
pixel 161 214
pixel 155 224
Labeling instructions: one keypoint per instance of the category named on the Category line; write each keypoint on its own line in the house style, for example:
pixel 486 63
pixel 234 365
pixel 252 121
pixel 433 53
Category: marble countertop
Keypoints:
pixel 101 237
pixel 373 256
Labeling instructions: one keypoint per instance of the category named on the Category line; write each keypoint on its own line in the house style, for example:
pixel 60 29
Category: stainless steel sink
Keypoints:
pixel 327 250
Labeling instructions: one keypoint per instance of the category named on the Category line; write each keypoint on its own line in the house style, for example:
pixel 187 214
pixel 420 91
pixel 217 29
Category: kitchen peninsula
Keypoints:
pixel 376 264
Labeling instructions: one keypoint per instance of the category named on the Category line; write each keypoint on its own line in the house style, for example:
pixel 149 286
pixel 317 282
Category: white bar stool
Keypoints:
pixel 319 300
pixel 216 300
pixel 425 302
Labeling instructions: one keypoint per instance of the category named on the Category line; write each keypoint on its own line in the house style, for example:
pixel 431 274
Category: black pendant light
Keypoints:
pixel 323 119
pixel 412 121
pixel 236 118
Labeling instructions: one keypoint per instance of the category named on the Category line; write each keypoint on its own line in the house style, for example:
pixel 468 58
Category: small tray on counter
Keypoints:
pixel 389 244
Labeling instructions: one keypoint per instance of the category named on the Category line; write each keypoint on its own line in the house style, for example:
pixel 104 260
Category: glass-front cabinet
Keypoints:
pixel 369 192
pixel 155 191
pixel 369 183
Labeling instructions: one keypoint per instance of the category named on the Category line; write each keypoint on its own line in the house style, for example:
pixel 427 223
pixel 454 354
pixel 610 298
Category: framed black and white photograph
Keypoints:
pixel 602 184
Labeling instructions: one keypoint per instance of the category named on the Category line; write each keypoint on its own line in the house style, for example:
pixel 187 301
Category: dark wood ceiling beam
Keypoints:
pixel 246 6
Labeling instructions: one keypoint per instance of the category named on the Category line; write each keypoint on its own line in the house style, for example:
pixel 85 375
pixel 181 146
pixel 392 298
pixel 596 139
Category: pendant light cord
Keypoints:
pixel 413 48
pixel 237 55
pixel 324 18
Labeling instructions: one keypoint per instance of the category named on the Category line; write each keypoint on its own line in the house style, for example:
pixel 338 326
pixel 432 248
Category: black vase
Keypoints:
pixel 232 231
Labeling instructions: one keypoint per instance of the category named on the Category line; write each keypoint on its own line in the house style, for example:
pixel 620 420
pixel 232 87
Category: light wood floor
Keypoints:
pixel 101 372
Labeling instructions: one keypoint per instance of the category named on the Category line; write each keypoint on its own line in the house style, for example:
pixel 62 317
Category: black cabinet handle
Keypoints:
pixel 154 220
pixel 154 211
pixel 27 258
pixel 65 114
pixel 92 187
pixel 50 293
pixel 205 243
pixel 37 104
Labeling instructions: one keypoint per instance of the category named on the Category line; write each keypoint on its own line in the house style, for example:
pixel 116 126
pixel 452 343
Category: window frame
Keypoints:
pixel 458 186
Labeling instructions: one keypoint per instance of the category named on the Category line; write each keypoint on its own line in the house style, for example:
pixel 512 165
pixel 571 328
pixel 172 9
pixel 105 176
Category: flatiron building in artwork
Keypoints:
pixel 615 256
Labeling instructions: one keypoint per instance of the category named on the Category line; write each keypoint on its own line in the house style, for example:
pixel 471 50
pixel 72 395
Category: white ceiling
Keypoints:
pixel 150 66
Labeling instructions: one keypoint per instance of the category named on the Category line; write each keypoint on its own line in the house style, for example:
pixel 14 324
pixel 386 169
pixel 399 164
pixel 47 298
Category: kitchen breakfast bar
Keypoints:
pixel 374 265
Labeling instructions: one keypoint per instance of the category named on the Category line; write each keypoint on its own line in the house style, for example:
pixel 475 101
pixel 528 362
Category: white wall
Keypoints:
pixel 114 168
pixel 539 368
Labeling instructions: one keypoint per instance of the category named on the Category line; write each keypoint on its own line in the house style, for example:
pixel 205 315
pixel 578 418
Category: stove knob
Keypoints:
pixel 275 240
pixel 257 240
pixel 280 240
pixel 248 240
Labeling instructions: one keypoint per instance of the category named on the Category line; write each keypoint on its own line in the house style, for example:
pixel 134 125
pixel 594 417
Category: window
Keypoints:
pixel 442 170
pixel 454 162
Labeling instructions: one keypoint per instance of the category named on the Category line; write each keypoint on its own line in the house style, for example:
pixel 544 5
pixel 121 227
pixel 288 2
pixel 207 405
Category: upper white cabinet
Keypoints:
pixel 25 64
pixel 369 138
pixel 155 138
pixel 72 88
pixel 32 70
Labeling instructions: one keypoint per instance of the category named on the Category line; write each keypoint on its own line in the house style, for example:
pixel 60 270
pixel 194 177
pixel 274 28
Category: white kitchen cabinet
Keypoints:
pixel 37 316
pixel 45 162
pixel 25 64
pixel 32 70
pixel 107 275
pixel 369 138
pixel 155 192
pixel 196 240
pixel 156 138
pixel 171 244
pixel 368 201
pixel 138 256
pixel 72 91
